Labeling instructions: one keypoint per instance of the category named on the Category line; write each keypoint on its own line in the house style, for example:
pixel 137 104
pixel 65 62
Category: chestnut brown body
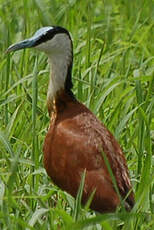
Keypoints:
pixel 73 143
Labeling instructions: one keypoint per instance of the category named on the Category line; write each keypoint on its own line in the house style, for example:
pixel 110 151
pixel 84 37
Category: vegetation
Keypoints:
pixel 113 75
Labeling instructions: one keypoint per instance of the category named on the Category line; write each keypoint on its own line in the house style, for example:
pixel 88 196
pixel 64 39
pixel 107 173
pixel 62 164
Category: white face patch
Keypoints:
pixel 59 44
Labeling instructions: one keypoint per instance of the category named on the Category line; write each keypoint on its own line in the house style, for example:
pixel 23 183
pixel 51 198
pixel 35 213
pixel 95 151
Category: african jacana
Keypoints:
pixel 76 137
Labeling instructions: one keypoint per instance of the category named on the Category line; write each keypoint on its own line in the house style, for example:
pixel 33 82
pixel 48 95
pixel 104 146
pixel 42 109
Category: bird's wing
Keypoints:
pixel 86 137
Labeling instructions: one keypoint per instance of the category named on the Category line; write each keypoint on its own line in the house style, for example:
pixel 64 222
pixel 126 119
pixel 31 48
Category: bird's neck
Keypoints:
pixel 60 81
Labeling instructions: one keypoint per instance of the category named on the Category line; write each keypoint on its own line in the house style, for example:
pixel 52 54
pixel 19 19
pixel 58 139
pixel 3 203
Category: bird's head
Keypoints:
pixel 56 43
pixel 51 40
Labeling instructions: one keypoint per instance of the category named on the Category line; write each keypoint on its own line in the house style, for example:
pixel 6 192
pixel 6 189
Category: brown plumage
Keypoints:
pixel 76 138
pixel 73 143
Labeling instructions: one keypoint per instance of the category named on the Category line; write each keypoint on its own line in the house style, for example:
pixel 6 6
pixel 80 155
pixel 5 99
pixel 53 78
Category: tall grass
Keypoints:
pixel 112 75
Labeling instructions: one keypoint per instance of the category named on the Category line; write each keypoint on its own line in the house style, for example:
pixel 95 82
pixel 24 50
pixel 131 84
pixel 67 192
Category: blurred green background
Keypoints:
pixel 113 75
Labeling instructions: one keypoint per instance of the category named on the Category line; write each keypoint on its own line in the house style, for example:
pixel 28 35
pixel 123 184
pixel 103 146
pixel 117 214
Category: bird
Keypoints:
pixel 76 138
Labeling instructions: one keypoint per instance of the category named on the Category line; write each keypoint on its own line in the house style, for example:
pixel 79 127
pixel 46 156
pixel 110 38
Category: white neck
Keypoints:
pixel 59 52
pixel 59 63
pixel 58 73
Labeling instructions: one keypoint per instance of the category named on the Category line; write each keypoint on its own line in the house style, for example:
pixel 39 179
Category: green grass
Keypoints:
pixel 113 75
